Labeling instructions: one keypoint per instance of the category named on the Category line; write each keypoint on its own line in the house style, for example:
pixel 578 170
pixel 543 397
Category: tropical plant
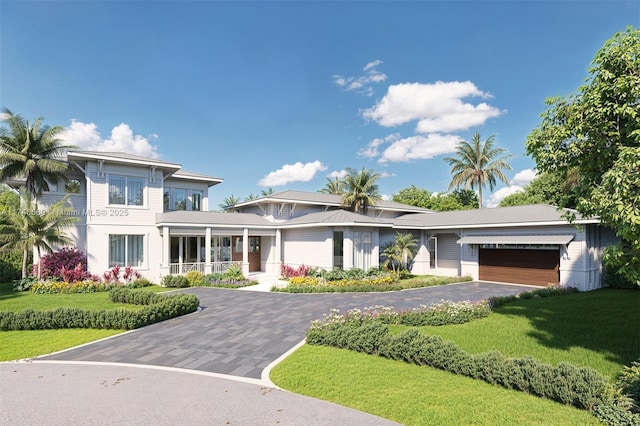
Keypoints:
pixel 250 197
pixel 399 252
pixel 360 189
pixel 593 137
pixel 228 203
pixel 267 192
pixel 29 227
pixel 478 164
pixel 33 152
pixel 333 186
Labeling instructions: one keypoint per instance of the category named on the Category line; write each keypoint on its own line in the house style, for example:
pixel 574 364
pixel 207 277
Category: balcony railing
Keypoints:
pixel 216 267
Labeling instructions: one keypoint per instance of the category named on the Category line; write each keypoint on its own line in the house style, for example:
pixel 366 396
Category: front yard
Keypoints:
pixel 597 329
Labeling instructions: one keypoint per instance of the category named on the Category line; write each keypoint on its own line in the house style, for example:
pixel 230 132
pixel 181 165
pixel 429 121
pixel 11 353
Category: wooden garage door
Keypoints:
pixel 536 267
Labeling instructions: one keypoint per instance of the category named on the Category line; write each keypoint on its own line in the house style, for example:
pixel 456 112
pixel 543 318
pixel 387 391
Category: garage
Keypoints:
pixel 521 259
pixel 521 266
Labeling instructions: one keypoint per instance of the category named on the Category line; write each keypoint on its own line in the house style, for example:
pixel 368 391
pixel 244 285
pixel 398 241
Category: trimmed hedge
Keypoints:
pixel 157 307
pixel 578 386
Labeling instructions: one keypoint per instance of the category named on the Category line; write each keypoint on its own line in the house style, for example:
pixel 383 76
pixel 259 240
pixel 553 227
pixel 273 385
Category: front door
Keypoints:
pixel 254 252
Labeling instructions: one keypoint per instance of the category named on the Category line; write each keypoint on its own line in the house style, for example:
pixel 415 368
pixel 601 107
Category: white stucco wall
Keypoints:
pixel 312 247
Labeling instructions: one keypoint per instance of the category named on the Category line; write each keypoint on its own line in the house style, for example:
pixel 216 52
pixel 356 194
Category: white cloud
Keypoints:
pixel 516 184
pixel 340 174
pixel 523 178
pixel 387 174
pixel 500 194
pixel 419 148
pixel 289 173
pixel 386 197
pixel 437 107
pixel 87 138
pixel 362 84
pixel 371 150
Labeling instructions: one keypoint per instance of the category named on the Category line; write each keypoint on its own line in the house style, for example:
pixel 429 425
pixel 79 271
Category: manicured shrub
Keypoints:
pixel 54 287
pixel 11 265
pixel 23 284
pixel 629 384
pixel 578 386
pixel 175 281
pixel 157 307
pixel 51 265
pixel 194 278
pixel 613 415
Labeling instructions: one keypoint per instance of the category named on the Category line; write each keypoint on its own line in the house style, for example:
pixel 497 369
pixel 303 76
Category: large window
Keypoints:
pixel 126 191
pixel 338 247
pixel 179 199
pixel 362 245
pixel 220 249
pixel 126 250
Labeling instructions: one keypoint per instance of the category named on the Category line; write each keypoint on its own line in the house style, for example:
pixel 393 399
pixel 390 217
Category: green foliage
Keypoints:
pixel 629 384
pixel 578 386
pixel 360 189
pixel 175 281
pixel 338 281
pixel 595 134
pixel 399 252
pixel 157 308
pixel 62 287
pixel 23 284
pixel 459 199
pixel 11 265
pixel 478 164
pixel 613 415
pixel 31 151
pixel 234 272
pixel 195 278
pixel 547 188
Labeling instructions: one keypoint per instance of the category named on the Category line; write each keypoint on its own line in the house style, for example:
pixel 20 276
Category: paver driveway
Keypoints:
pixel 241 332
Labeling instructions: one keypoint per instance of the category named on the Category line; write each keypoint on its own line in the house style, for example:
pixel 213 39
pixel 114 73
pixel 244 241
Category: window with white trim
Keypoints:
pixel 362 246
pixel 126 191
pixel 126 250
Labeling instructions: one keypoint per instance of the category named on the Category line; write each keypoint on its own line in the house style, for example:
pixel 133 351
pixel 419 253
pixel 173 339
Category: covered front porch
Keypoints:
pixel 212 250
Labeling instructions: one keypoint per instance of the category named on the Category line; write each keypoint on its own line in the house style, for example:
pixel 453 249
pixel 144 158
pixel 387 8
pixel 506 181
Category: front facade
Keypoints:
pixel 155 217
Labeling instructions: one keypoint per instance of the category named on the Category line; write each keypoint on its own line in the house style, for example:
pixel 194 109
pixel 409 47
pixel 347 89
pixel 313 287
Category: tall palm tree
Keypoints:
pixel 333 186
pixel 477 164
pixel 29 227
pixel 228 203
pixel 31 151
pixel 360 189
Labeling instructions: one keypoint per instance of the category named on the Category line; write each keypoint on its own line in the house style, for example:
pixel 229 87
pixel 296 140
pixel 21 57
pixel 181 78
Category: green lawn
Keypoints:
pixel 26 344
pixel 598 329
pixel 414 395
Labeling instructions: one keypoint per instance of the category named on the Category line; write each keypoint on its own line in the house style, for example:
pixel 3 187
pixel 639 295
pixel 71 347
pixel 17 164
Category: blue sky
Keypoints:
pixel 285 94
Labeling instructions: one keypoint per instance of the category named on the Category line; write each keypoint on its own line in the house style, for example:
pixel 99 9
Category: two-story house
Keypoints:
pixel 155 217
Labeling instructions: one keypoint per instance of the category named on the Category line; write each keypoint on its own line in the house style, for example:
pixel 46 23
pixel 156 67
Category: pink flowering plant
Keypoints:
pixel 51 265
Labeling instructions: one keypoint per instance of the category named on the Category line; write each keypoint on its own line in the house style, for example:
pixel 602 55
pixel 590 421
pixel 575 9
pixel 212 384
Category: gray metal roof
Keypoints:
pixel 517 215
pixel 517 239
pixel 210 218
pixel 120 157
pixel 183 174
pixel 320 198
pixel 336 217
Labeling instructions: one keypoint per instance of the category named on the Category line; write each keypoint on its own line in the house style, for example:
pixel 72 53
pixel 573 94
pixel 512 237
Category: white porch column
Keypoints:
pixel 421 259
pixel 165 268
pixel 207 251
pixel 347 249
pixel 275 254
pixel 180 253
pixel 245 252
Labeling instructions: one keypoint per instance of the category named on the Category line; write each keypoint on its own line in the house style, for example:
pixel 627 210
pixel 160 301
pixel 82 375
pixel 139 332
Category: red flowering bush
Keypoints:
pixel 74 275
pixel 51 265
pixel 287 271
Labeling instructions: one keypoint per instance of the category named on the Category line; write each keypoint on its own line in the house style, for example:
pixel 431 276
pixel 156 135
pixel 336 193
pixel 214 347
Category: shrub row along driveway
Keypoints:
pixel 240 333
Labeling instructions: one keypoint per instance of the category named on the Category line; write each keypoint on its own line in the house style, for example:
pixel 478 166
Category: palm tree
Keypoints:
pixel 360 189
pixel 29 227
pixel 400 251
pixel 31 151
pixel 333 186
pixel 267 192
pixel 228 203
pixel 477 164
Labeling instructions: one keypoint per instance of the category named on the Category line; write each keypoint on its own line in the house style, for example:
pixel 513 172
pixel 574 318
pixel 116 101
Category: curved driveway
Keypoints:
pixel 178 371
pixel 240 333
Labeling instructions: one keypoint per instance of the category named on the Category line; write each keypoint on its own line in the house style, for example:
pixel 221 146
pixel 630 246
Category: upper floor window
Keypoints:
pixel 196 200
pixel 179 199
pixel 126 190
